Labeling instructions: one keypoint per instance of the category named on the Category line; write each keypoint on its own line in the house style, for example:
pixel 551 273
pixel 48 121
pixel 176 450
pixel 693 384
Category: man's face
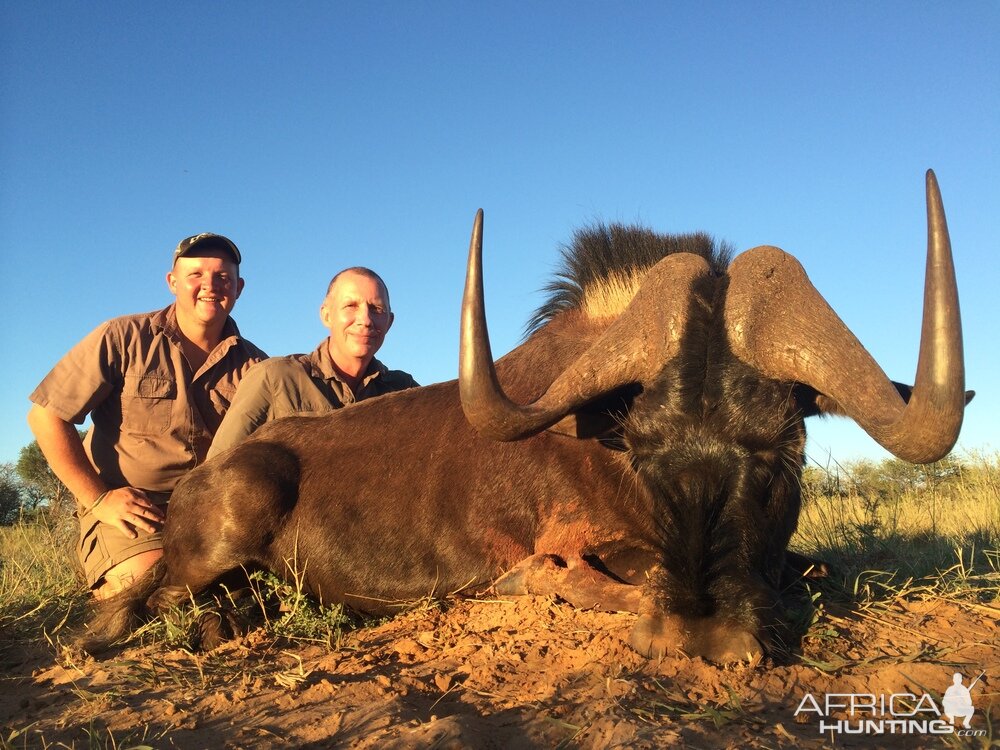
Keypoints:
pixel 206 284
pixel 357 313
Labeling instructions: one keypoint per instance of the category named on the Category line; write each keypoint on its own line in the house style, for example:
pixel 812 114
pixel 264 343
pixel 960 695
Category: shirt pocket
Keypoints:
pixel 148 403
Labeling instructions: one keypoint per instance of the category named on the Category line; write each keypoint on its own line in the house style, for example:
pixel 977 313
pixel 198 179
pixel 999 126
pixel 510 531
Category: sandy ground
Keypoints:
pixel 500 674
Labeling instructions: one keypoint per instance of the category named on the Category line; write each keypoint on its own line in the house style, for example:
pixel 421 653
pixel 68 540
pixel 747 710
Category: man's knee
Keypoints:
pixel 123 575
pixel 107 555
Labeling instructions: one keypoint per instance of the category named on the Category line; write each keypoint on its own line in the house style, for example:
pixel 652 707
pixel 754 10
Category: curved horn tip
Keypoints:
pixel 477 229
pixel 476 240
pixel 932 184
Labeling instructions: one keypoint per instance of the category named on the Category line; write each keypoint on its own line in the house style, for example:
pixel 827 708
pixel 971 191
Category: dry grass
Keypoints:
pixel 40 590
pixel 895 528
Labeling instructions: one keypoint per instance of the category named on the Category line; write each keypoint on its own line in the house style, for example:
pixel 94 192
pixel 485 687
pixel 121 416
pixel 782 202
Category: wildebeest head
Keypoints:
pixel 714 369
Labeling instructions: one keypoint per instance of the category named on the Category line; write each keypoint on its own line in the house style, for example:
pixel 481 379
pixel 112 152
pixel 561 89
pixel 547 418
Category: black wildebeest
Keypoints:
pixel 654 468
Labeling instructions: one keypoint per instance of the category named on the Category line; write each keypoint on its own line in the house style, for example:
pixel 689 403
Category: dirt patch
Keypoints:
pixel 499 674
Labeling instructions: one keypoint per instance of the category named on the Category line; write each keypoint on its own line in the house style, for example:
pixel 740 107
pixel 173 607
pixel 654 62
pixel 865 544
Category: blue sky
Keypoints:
pixel 323 135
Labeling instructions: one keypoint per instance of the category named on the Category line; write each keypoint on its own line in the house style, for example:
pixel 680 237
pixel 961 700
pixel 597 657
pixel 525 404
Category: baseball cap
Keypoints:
pixel 207 239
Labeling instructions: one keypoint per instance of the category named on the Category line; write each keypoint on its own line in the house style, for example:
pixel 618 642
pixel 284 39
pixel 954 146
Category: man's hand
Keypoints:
pixel 128 509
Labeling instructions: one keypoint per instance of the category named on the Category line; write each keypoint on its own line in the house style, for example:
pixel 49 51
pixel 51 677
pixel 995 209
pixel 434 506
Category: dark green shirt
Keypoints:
pixel 303 385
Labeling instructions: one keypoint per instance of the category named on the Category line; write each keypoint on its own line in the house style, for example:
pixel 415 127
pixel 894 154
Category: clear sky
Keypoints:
pixel 319 135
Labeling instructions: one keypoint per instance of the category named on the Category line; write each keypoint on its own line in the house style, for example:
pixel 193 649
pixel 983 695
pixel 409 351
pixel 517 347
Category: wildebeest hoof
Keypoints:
pixel 214 629
pixel 717 641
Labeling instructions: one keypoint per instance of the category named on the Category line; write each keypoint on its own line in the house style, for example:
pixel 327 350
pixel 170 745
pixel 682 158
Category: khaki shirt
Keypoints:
pixel 299 385
pixel 153 418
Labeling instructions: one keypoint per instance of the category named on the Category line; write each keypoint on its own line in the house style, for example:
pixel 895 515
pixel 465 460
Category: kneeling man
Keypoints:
pixel 156 386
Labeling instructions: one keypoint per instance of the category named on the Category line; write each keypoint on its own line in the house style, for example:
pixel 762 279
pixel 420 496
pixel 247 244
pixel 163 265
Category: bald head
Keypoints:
pixel 361 271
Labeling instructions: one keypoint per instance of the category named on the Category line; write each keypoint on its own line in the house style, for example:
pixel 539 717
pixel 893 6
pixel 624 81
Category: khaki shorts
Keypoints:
pixel 102 546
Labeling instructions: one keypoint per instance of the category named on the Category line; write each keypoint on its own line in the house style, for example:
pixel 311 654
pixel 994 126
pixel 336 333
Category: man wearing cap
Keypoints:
pixel 156 386
pixel 341 371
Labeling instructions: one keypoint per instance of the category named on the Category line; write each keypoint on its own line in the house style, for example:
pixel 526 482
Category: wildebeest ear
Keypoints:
pixel 585 425
pixel 603 427
pixel 813 402
pixel 600 419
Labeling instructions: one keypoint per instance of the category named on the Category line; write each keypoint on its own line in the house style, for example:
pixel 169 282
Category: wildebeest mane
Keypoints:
pixel 602 265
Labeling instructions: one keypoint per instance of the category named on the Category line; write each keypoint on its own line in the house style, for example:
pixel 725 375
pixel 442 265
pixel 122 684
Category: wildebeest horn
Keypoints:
pixel 778 323
pixel 633 348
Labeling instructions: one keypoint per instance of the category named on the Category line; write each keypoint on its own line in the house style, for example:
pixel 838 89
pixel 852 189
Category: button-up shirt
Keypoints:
pixel 153 418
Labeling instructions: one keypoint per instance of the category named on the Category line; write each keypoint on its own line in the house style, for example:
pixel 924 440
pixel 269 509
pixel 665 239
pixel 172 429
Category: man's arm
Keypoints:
pixel 60 443
pixel 251 407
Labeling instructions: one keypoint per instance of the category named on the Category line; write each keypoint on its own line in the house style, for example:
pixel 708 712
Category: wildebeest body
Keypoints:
pixel 642 449
pixel 426 511
pixel 399 498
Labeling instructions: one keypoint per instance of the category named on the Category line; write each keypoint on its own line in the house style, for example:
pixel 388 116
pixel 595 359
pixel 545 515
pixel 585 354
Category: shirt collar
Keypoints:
pixel 166 320
pixel 322 365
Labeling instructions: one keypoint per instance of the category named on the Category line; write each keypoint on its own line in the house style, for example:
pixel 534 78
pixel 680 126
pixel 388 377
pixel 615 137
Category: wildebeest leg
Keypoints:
pixel 217 625
pixel 167 597
pixel 227 618
pixel 573 580
pixel 214 627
